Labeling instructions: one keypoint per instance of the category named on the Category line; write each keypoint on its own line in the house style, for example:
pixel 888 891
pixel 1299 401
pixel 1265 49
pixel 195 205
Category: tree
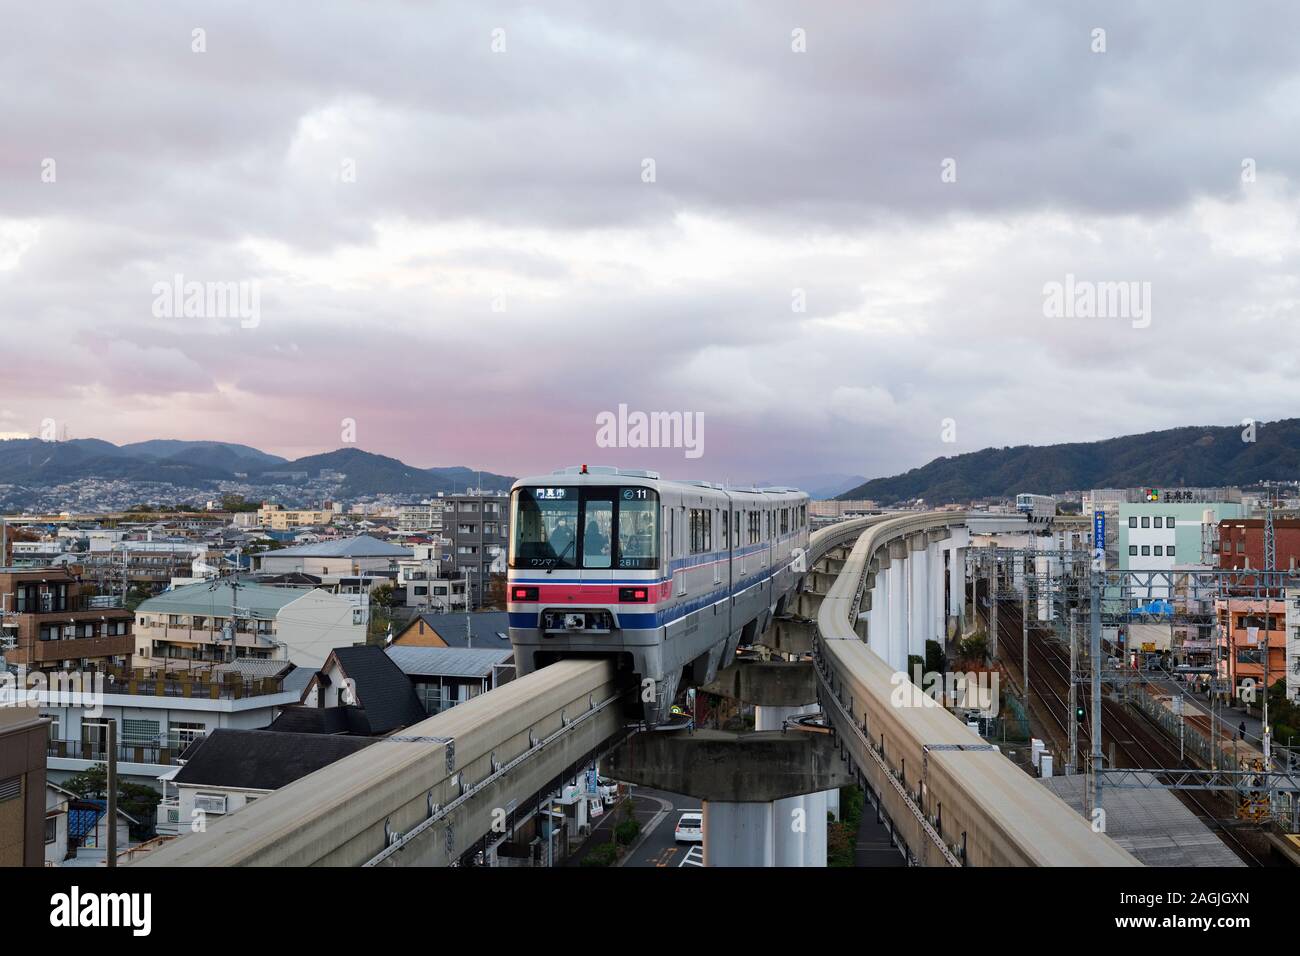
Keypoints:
pixel 134 799
pixel 935 660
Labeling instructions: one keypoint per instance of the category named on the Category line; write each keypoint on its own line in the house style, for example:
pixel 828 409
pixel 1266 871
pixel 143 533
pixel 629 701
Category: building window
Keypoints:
pixel 1157 521
pixel 1169 551
pixel 1146 550
pixel 11 788
pixel 1146 522
pixel 51 829
pixel 1133 522
pixel 139 731
pixel 1133 550
pixel 1169 522
pixel 181 734
pixel 1158 549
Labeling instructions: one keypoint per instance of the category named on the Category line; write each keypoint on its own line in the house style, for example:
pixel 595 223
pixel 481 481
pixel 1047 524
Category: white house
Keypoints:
pixel 293 623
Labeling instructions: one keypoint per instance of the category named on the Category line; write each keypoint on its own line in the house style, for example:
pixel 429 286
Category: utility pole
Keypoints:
pixel 1270 566
pixel 111 784
pixel 1094 626
pixel 1074 693
pixel 993 606
pixel 1024 630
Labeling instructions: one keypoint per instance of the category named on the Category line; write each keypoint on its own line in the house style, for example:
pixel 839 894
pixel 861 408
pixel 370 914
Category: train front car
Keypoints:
pixel 585 576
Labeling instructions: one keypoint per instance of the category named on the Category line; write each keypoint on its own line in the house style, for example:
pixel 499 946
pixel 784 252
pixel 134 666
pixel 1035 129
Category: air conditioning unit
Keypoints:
pixel 209 803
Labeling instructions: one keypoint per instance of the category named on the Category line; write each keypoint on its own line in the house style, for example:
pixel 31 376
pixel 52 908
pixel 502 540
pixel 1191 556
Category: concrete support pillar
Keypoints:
pixel 833 803
pixel 918 610
pixel 738 834
pixel 798 823
pixel 878 622
pixel 814 842
pixel 937 582
pixel 957 583
pixel 897 656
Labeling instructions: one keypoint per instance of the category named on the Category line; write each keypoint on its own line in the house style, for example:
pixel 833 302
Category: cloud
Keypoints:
pixel 455 247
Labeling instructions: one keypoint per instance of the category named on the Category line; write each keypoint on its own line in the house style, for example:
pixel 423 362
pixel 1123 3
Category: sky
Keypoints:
pixel 465 231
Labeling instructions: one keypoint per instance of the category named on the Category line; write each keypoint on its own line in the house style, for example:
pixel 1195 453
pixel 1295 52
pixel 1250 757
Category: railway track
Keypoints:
pixel 1139 739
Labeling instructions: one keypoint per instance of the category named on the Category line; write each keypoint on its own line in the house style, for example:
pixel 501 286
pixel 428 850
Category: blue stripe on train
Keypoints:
pixel 640 622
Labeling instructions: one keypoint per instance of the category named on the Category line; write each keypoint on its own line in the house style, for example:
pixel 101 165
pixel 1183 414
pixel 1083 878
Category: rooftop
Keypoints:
pixel 362 546
pixel 263 759
pixel 448 661
pixel 490 629
pixel 218 599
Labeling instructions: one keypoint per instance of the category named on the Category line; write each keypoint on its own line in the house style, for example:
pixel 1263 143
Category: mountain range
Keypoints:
pixel 1195 456
pixel 33 462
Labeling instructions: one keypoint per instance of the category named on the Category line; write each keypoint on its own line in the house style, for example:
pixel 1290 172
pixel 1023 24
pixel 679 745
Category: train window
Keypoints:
pixel 638 528
pixel 598 528
pixel 545 522
pixel 726 530
pixel 701 525
pixel 785 520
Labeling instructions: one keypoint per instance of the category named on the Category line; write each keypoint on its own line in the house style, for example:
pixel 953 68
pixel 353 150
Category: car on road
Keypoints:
pixel 690 827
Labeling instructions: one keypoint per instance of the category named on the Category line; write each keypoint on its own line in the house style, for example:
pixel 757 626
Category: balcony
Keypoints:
pixel 121 645
pixel 159 755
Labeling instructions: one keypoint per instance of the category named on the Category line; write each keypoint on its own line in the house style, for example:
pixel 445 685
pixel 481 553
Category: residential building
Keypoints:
pixel 76 828
pixel 148 565
pixel 483 630
pixel 358 690
pixel 420 516
pixel 51 620
pixel 423 583
pixel 478 527
pixel 1252 632
pixel 232 768
pixel 334 559
pixel 446 676
pixel 159 712
pixel 1241 543
pixel 278 518
pixel 297 624
pixel 23 831
pixel 1293 644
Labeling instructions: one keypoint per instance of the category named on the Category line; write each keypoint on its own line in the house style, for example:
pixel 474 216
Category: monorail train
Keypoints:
pixel 667 577
pixel 1036 506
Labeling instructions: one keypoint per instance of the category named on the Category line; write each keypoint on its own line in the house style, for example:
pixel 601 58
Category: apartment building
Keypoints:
pixel 50 620
pixel 297 624
pixel 420 516
pixel 1241 543
pixel 278 518
pixel 158 712
pixel 335 559
pixel 478 527
pixel 422 580
pixel 23 831
pixel 1253 642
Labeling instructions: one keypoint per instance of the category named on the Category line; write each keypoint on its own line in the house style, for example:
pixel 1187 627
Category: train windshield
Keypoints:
pixel 591 527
